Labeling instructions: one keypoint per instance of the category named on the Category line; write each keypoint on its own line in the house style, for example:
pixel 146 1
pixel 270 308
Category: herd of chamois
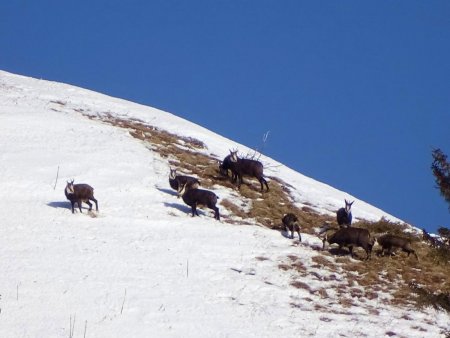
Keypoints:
pixel 187 188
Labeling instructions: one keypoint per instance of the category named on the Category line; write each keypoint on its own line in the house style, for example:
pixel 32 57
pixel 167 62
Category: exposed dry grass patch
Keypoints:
pixel 356 292
pixel 323 293
pixel 373 311
pixel 189 155
pixel 323 262
pixel 284 267
pixel 300 267
pixel 346 302
pixel 292 257
pixel 383 226
pixel 301 285
pixel 236 210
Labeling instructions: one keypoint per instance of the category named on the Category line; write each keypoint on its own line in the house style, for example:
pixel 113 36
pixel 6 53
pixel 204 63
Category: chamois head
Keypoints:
pixel 69 187
pixel 348 206
pixel 173 173
pixel 234 156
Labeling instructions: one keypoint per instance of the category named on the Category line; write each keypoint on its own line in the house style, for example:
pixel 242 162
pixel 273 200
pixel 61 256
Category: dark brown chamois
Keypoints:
pixel 80 193
pixel 290 222
pixel 240 167
pixel 344 215
pixel 176 181
pixel 351 237
pixel 199 197
pixel 434 242
pixel 225 166
pixel 390 243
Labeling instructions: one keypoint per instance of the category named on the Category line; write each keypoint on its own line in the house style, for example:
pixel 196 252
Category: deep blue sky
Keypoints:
pixel 354 93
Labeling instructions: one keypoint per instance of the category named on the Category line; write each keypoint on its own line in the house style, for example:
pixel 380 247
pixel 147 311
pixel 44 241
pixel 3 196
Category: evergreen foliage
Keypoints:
pixel 441 172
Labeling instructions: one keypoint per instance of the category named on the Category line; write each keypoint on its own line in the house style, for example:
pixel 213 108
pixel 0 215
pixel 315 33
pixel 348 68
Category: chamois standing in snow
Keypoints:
pixel 290 222
pixel 344 215
pixel 390 243
pixel 243 167
pixel 351 237
pixel 176 181
pixel 80 193
pixel 198 197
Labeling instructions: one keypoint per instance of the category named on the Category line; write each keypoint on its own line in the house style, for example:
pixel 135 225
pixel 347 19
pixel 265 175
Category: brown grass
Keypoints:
pixel 188 155
pixel 322 262
pixel 394 274
pixel 236 210
pixel 301 285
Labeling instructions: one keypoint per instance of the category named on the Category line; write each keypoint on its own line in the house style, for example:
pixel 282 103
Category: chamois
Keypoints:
pixel 290 222
pixel 351 237
pixel 80 193
pixel 197 197
pixel 224 166
pixel 344 215
pixel 390 243
pixel 434 242
pixel 176 180
pixel 243 167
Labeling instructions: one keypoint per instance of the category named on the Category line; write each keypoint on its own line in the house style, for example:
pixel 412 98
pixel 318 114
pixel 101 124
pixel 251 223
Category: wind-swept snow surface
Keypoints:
pixel 141 266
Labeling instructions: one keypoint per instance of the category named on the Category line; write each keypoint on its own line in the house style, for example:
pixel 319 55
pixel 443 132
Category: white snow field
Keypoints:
pixel 142 266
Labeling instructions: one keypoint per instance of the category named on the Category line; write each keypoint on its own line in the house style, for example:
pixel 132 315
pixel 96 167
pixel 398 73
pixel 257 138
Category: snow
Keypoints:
pixel 141 266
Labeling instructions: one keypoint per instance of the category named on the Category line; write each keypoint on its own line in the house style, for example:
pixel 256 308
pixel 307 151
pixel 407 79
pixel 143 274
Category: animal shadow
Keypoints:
pixel 60 204
pixel 168 191
pixel 339 252
pixel 286 234
pixel 65 205
pixel 183 208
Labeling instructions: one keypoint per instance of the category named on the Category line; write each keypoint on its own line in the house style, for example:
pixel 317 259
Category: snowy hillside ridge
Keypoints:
pixel 141 266
pixel 324 198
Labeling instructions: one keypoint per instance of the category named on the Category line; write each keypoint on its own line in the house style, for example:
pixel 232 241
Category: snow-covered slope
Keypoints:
pixel 142 267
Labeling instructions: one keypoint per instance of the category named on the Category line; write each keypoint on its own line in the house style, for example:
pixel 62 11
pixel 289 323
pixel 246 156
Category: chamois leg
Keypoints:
pixel 90 204
pixel 194 210
pixel 390 252
pixel 240 180
pixel 73 206
pixel 350 248
pixel 96 203
pixel 263 181
pixel 409 251
pixel 216 213
pixel 286 228
pixel 368 254
pixel 79 205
